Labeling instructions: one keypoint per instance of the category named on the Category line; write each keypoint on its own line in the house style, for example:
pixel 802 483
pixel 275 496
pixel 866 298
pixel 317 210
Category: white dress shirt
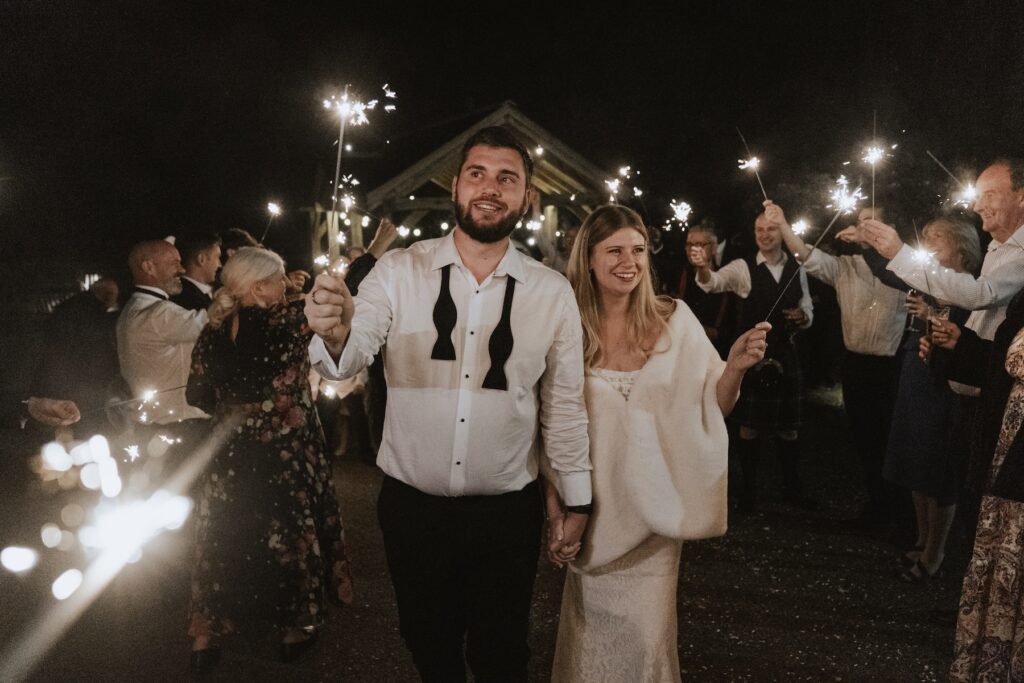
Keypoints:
pixel 1002 276
pixel 987 296
pixel 873 315
pixel 735 277
pixel 443 433
pixel 154 346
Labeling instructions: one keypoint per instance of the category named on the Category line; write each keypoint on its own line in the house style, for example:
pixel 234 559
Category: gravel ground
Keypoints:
pixel 785 595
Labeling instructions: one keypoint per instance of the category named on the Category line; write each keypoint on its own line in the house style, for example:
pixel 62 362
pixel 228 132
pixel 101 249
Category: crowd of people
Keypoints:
pixel 590 416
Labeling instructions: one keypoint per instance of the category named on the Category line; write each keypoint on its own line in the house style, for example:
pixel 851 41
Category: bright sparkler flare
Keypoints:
pixel 967 196
pixel 133 452
pixel 637 192
pixel 322 260
pixel 625 171
pixel 753 163
pixel 843 200
pixel 923 257
pixel 680 211
pixel 800 228
pixel 873 155
pixel 274 209
pixel 17 559
pixel 613 186
pixel 403 231
pixel 148 395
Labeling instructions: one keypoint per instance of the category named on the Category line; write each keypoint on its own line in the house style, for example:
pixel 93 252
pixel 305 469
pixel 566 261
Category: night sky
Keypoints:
pixel 120 121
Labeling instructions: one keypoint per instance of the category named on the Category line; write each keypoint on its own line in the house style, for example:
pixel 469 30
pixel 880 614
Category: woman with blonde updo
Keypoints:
pixel 269 538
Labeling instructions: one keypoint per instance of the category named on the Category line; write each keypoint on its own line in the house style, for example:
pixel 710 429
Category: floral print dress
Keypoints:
pixel 990 629
pixel 269 538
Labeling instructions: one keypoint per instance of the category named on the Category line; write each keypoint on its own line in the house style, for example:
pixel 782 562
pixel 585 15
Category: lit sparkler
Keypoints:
pixel 800 228
pixel 843 201
pixel 751 163
pixel 351 112
pixel 872 155
pixel 274 210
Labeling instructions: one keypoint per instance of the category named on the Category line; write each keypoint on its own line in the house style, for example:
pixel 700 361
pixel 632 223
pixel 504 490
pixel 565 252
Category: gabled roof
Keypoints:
pixel 558 171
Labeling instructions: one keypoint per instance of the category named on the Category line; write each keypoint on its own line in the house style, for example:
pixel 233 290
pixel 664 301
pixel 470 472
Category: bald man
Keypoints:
pixel 155 336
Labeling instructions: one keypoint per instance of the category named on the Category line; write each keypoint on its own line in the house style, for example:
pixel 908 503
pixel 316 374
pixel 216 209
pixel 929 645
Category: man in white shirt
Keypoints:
pixel 484 364
pixel 873 318
pixel 1000 203
pixel 771 394
pixel 155 336
pixel 200 254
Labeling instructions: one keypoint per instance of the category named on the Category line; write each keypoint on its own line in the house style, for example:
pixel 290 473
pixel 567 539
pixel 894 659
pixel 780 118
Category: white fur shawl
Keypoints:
pixel 660 459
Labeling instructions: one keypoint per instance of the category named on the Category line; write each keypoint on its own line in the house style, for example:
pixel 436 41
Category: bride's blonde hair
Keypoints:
pixel 246 267
pixel 648 312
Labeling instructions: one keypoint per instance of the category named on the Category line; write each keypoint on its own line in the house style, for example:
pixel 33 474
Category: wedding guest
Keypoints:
pixel 716 311
pixel 872 316
pixel 77 357
pixel 770 401
pixel 269 538
pixel 200 256
pixel 652 375
pixel 155 338
pixel 922 454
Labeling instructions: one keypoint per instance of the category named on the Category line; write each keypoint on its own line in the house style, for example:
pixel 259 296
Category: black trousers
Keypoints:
pixel 463 571
pixel 869 395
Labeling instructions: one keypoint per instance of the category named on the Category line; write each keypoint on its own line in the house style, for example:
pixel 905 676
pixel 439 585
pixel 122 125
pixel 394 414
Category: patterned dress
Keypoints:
pixel 990 630
pixel 269 539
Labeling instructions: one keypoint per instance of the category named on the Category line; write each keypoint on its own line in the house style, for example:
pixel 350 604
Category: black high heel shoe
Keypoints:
pixel 203 661
pixel 292 651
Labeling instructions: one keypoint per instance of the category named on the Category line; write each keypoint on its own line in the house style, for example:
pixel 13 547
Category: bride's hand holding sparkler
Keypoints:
pixel 882 237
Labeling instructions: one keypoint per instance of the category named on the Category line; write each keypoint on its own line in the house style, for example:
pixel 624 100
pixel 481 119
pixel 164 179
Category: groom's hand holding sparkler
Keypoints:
pixel 699 260
pixel 329 310
pixel 882 237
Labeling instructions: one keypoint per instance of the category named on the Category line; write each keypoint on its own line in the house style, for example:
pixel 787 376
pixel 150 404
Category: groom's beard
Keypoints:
pixel 487 234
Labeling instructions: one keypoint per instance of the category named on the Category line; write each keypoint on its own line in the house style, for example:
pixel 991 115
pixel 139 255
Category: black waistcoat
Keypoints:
pixel 764 290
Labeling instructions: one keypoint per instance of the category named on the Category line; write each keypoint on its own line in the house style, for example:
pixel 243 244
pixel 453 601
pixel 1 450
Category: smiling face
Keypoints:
pixel 938 240
pixel 1000 206
pixel 767 236
pixel 619 262
pixel 490 193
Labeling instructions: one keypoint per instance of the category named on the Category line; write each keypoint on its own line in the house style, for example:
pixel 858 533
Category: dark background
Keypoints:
pixel 126 120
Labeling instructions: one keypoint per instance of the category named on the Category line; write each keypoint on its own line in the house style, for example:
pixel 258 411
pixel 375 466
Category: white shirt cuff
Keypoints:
pixel 320 359
pixel 575 488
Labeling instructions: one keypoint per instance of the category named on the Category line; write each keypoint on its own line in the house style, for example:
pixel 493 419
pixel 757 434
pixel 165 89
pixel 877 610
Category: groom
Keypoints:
pixel 483 350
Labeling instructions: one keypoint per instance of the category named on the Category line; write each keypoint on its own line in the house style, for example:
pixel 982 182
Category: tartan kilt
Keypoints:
pixel 775 408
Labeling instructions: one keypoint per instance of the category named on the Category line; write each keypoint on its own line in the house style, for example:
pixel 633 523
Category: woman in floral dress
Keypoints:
pixel 269 542
pixel 990 630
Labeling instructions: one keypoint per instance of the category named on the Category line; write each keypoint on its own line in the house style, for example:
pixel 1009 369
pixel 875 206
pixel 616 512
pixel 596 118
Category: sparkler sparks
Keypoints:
pixel 274 209
pixel 17 559
pixel 843 200
pixel 800 228
pixel 751 164
pixel 873 155
pixel 924 257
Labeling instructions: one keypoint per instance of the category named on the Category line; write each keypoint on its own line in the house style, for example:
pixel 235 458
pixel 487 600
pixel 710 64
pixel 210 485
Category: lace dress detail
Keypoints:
pixel 621 380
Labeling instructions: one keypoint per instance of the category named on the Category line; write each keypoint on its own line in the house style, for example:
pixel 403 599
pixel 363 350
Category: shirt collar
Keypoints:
pixel 161 293
pixel 202 286
pixel 1016 239
pixel 512 263
pixel 759 259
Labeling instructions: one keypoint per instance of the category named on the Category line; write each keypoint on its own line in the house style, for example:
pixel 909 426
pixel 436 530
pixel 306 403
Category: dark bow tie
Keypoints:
pixel 150 292
pixel 500 344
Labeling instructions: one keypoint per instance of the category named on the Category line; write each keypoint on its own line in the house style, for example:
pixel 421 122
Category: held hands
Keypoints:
pixel 882 237
pixel 329 310
pixel 748 350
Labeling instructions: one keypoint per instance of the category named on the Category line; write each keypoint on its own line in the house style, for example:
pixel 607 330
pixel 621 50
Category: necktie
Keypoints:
pixel 499 346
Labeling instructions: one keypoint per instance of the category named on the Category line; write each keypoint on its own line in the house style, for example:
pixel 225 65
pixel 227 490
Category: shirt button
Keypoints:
pixel 472 332
pixel 478 291
pixel 467 376
pixel 458 462
pixel 462 419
